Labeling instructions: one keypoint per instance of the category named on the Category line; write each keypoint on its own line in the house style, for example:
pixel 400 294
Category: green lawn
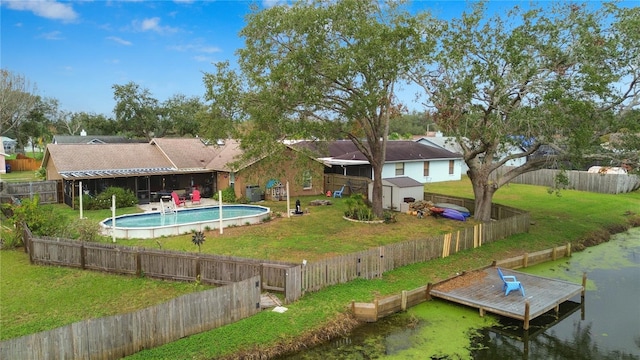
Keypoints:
pixel 19 176
pixel 557 220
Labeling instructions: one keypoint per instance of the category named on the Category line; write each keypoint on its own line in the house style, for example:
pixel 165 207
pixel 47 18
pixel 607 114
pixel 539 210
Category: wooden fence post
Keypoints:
pixel 526 315
pixel 138 262
pixel 82 255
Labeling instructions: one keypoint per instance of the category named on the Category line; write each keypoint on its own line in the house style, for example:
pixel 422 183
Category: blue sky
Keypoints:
pixel 75 51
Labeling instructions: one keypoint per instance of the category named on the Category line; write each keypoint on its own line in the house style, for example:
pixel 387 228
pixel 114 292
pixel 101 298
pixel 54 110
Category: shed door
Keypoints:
pixel 387 196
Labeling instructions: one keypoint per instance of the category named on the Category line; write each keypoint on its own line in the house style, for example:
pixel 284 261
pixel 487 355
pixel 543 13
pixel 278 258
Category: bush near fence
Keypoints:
pixel 380 308
pixel 578 180
pixel 117 336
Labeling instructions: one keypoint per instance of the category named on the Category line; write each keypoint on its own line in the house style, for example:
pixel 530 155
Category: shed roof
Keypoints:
pixel 403 182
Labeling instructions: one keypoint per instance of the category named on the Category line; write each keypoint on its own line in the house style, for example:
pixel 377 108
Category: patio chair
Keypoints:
pixel 195 196
pixel 509 283
pixel 338 193
pixel 176 199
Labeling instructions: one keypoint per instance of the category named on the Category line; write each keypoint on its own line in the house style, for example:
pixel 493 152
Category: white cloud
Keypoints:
pixel 119 40
pixel 49 9
pixel 153 24
pixel 53 35
pixel 201 58
pixel 196 48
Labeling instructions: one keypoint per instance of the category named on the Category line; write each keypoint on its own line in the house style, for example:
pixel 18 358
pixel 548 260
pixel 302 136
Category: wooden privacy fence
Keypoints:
pixel 578 180
pixel 47 190
pixel 388 305
pixel 373 263
pixel 163 264
pixel 117 336
pixel 24 164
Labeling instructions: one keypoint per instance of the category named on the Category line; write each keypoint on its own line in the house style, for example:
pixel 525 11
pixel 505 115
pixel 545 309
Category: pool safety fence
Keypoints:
pixel 161 264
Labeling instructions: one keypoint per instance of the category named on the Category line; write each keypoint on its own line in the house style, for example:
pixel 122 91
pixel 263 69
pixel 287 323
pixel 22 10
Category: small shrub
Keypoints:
pixel 390 217
pixel 358 208
pixel 124 198
pixel 9 239
pixel 228 195
pixel 242 200
pixel 43 220
pixel 87 230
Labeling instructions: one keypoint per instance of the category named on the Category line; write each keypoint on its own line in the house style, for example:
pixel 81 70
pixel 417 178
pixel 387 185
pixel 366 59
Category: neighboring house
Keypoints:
pixel 403 158
pixel 450 143
pixel 9 145
pixel 93 139
pixel 162 165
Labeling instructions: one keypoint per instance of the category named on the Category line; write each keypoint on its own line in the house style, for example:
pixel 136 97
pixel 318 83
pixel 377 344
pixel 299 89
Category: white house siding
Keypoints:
pixel 438 171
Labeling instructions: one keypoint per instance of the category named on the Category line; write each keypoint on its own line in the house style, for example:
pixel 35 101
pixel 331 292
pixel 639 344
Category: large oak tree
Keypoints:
pixel 554 79
pixel 322 70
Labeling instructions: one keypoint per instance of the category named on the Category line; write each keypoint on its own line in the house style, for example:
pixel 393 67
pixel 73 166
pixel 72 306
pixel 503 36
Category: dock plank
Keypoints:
pixel 482 289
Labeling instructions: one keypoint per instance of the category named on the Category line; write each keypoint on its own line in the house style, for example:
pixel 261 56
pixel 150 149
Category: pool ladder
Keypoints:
pixel 168 208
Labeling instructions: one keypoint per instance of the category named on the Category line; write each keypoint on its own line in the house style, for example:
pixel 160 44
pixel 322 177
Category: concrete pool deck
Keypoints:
pixel 155 206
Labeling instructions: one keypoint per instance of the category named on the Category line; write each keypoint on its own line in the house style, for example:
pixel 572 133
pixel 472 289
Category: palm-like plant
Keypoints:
pixel 198 239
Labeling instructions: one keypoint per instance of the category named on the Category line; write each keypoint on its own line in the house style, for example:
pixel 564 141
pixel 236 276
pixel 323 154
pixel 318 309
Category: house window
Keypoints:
pixel 399 169
pixel 426 169
pixel 451 162
pixel 306 180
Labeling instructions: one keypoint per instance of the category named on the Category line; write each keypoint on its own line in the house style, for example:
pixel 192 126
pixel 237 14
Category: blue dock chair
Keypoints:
pixel 338 193
pixel 509 283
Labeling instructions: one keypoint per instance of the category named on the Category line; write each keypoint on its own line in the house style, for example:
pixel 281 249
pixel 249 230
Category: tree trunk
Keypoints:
pixel 483 192
pixel 376 193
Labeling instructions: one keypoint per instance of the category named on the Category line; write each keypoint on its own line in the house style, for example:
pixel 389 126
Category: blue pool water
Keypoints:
pixel 186 216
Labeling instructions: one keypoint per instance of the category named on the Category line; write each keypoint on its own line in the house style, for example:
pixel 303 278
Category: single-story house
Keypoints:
pixel 451 144
pixel 163 165
pixel 417 161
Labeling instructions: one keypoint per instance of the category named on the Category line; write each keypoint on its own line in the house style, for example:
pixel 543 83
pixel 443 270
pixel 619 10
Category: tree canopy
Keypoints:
pixel 17 99
pixel 322 70
pixel 556 78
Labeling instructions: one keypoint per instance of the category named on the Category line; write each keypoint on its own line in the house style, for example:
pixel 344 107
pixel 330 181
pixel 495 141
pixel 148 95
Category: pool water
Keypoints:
pixel 150 225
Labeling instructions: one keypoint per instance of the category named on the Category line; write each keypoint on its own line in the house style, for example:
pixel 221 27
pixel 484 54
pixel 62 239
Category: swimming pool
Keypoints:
pixel 153 225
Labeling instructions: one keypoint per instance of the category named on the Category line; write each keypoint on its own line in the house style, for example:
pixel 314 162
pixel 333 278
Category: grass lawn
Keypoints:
pixel 557 220
pixel 19 176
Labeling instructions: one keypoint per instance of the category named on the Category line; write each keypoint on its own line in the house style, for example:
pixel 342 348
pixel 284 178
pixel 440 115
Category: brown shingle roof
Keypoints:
pixel 186 153
pixel 226 154
pixel 83 157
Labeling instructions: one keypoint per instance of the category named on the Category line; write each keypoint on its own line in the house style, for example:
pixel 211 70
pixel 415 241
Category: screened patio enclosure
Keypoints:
pixel 148 184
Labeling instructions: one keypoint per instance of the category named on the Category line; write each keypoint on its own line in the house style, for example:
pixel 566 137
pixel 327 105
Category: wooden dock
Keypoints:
pixel 482 289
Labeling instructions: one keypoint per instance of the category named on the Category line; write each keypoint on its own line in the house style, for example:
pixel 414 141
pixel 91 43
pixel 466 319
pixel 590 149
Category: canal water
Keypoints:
pixel 606 326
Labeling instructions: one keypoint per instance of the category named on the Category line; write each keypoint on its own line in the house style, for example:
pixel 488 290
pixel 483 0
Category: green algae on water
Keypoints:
pixel 446 331
pixel 617 253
